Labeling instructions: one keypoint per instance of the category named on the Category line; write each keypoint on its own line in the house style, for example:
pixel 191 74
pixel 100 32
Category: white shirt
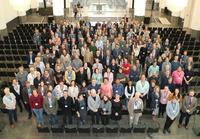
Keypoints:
pixel 31 78
pixel 10 101
pixel 132 93
pixel 59 91
pixel 17 88
pixel 142 88
pixel 73 91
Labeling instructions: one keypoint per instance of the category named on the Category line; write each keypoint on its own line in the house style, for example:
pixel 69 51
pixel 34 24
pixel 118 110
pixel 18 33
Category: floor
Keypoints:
pixel 27 129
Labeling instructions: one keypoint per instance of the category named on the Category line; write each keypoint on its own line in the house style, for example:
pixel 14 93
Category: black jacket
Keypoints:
pixel 66 104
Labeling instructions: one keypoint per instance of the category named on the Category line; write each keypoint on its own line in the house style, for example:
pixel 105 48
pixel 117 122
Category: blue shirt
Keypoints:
pixel 118 89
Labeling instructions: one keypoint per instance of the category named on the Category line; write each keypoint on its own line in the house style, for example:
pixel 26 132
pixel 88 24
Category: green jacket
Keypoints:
pixel 50 109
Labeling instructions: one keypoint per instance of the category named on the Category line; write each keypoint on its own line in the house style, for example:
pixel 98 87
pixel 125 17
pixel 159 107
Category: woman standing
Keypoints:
pixel 81 109
pixel 73 91
pixel 109 75
pixel 105 108
pixel 129 92
pixel 116 108
pixel 177 95
pixel 97 76
pixel 155 102
pixel 164 94
pixel 172 111
pixel 106 89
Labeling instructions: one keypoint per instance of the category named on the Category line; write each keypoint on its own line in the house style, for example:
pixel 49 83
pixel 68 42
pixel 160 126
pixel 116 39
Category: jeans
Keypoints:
pixel 53 119
pixel 39 115
pixel 126 102
pixel 12 114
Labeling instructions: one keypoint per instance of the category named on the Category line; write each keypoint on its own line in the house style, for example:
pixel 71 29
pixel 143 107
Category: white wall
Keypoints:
pixel 7 13
pixel 192 16
pixel 35 4
pixel 195 18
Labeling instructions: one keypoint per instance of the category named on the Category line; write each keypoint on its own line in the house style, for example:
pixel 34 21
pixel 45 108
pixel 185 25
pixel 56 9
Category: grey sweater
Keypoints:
pixel 94 104
pixel 106 107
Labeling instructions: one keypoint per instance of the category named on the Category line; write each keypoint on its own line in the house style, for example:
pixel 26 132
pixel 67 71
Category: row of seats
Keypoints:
pixel 93 129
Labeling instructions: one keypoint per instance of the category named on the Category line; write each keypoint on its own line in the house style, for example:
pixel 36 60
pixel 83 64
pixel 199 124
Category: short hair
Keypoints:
pixel 93 91
pixel 65 91
pixel 49 91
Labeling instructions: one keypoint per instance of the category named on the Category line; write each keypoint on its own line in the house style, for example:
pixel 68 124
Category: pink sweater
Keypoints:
pixel 177 77
pixel 106 90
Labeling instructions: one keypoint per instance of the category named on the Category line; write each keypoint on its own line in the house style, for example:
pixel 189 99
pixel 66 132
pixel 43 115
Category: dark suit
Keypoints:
pixel 66 106
pixel 26 93
pixel 80 77
pixel 28 59
pixel 18 96
pixel 105 61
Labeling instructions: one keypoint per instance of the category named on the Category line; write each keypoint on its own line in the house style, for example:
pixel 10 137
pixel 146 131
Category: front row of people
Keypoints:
pixel 105 109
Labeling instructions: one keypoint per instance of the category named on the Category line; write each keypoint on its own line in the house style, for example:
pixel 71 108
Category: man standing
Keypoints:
pixel 21 76
pixel 142 86
pixel 9 100
pixel 188 107
pixel 16 89
pixel 66 104
pixel 178 76
pixel 26 93
pixel 50 106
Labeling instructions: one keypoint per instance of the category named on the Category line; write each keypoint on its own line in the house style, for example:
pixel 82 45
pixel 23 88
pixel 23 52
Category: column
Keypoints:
pixel 129 4
pixel 58 7
pixel 162 4
pixel 195 16
pixel 2 20
pixel 34 4
pixel 139 7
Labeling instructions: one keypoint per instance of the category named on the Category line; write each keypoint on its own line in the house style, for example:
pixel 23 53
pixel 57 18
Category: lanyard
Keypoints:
pixel 189 100
pixel 173 106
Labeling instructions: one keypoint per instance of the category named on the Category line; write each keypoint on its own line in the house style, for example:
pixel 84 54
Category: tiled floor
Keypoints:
pixel 25 129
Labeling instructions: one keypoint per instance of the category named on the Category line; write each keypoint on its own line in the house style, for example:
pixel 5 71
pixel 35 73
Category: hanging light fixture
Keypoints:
pixel 20 5
pixel 176 5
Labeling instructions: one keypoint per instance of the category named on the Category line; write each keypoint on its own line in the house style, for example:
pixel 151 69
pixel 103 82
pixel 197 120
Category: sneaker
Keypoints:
pixel 164 132
pixel 186 127
pixel 169 131
pixel 29 117
pixel 179 125
pixel 12 126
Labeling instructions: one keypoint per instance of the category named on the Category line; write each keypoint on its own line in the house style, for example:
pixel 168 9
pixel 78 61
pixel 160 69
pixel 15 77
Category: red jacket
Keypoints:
pixel 36 102
pixel 126 68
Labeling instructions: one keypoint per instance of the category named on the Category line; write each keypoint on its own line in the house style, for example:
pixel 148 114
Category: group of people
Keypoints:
pixel 77 10
pixel 103 69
